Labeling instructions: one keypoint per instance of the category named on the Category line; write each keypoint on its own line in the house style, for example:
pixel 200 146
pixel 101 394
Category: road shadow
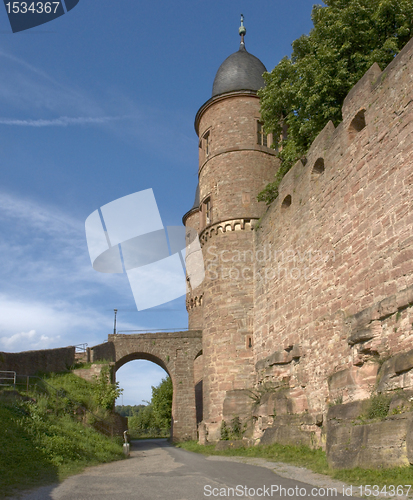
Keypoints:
pixel 148 444
pixel 39 493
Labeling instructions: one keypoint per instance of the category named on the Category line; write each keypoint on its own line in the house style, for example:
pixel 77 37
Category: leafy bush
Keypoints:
pixel 43 438
pixel 128 410
pixel 105 392
pixel 379 407
pixel 154 420
pixel 224 431
pixel 234 431
pixel 305 91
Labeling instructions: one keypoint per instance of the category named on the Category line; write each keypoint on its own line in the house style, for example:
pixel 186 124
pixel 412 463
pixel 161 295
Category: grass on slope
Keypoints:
pixel 42 437
pixel 314 460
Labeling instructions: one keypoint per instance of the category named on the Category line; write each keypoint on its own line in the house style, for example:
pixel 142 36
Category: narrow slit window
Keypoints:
pixel 207 143
pixel 261 135
pixel 208 211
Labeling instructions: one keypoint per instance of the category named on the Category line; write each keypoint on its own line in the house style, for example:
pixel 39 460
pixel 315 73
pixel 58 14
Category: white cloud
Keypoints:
pixel 47 282
pixel 63 121
pixel 27 324
pixel 49 219
pixel 30 89
pixel 32 324
pixel 47 102
pixel 31 339
pixel 44 245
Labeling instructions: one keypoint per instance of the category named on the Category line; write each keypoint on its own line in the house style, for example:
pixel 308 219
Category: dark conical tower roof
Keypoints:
pixel 240 71
pixel 196 202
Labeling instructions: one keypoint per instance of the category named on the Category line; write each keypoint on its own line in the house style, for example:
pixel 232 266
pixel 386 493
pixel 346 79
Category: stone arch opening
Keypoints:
pixel 318 168
pixel 175 352
pixel 357 124
pixel 141 355
pixel 286 202
pixel 138 373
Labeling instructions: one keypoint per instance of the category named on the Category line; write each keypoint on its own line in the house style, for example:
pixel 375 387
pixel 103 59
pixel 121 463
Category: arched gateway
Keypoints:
pixel 175 352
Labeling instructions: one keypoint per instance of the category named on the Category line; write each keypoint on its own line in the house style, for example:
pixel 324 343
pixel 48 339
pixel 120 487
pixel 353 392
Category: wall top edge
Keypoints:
pixel 153 336
pixel 368 94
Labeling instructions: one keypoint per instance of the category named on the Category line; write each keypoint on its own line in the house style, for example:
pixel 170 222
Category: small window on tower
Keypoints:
pixel 207 143
pixel 208 211
pixel 261 135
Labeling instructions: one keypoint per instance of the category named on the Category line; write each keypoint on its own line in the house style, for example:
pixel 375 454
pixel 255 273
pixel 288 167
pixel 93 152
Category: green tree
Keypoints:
pixel 162 404
pixel 128 410
pixel 105 392
pixel 155 418
pixel 307 90
pixel 143 422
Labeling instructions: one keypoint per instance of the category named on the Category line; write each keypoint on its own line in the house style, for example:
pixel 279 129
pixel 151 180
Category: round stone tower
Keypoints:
pixel 235 164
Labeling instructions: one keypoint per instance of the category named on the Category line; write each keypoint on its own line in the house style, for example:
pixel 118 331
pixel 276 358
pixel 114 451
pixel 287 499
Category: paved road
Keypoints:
pixel 157 470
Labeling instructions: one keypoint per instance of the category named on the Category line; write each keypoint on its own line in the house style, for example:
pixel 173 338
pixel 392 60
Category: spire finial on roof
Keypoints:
pixel 242 31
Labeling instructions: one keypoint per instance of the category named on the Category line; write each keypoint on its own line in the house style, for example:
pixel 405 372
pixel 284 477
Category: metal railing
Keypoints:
pixel 81 348
pixel 7 378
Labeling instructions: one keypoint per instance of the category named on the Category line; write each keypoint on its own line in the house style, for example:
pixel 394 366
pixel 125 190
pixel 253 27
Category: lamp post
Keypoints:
pixel 114 325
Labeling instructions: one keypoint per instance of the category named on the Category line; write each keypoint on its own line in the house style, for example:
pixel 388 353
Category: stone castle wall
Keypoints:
pixel 334 253
pixel 33 362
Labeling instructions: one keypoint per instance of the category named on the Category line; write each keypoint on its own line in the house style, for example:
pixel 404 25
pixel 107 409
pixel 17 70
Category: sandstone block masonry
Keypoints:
pixel 337 273
pixel 32 362
pixel 303 302
pixel 233 168
pixel 176 353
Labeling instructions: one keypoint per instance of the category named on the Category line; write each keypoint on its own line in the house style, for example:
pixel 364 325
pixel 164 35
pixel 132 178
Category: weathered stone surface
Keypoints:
pixel 339 280
pixel 353 383
pixel 31 362
pixel 403 362
pixel 360 336
pixel 377 444
pixel 287 435
pixel 396 373
pixel 409 442
pixel 91 373
pixel 281 357
pixel 349 411
pixel 267 405
pixel 401 402
pixel 237 403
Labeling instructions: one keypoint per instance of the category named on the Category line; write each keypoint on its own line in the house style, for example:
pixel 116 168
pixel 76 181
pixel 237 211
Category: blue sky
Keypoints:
pixel 96 105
